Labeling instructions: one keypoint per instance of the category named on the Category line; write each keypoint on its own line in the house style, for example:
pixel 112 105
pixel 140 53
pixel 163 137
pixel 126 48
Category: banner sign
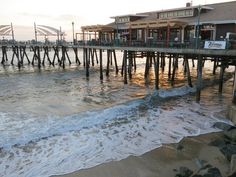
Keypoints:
pixel 215 45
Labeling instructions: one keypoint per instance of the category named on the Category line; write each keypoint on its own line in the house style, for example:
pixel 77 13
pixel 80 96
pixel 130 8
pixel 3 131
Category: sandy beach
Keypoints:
pixel 194 155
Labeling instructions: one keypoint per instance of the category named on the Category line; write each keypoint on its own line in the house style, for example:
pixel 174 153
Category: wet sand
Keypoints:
pixel 192 152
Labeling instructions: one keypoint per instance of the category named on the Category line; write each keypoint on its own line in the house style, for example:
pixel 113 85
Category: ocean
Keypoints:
pixel 55 121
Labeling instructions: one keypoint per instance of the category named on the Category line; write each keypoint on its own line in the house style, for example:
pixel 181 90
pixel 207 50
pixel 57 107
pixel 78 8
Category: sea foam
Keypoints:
pixel 57 145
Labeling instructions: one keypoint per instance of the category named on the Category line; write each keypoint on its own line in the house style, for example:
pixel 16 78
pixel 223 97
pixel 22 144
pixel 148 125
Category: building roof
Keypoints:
pixel 221 13
pixel 130 15
pixel 218 13
pixel 210 13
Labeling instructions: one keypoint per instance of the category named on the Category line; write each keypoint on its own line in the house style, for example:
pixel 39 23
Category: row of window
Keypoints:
pixel 122 19
pixel 174 14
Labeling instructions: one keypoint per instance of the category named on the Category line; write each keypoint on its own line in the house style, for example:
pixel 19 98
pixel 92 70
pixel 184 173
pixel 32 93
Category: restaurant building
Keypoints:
pixel 167 27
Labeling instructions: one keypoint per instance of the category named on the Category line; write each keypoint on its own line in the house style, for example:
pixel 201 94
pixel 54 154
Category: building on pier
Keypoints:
pixel 166 28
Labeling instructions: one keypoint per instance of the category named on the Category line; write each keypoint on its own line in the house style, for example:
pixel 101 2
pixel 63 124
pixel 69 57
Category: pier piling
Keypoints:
pixel 115 60
pixel 156 68
pixel 101 67
pixel 46 54
pixel 125 66
pixel 175 64
pixel 87 62
pixel 188 71
pixel 75 49
pixel 234 89
pixel 199 78
pixel 108 62
pixel 56 55
pixel 4 54
pixel 169 69
pixel 222 70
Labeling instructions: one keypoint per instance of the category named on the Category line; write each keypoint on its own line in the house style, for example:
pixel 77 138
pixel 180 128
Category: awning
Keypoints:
pixel 97 28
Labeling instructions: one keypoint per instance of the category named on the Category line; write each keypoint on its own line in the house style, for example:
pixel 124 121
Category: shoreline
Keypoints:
pixel 190 154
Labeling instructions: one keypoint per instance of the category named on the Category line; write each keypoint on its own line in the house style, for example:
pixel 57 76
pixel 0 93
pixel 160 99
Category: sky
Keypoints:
pixel 58 13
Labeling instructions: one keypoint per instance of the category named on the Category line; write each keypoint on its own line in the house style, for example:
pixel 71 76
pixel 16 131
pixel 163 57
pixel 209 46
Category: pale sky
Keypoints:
pixel 58 13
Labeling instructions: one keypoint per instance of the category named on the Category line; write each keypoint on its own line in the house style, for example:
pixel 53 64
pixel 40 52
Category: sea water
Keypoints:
pixel 56 121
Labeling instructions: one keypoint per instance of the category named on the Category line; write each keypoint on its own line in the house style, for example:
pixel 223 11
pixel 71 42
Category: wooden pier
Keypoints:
pixel 154 56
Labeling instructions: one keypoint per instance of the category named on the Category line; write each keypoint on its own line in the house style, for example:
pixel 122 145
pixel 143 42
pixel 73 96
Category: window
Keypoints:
pixel 189 13
pixel 175 14
pixel 180 13
pixel 170 14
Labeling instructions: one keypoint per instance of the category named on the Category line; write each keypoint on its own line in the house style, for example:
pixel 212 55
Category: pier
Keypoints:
pixel 154 56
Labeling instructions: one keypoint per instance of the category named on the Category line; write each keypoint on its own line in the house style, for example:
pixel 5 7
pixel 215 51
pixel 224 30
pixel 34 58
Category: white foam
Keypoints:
pixel 180 91
pixel 88 139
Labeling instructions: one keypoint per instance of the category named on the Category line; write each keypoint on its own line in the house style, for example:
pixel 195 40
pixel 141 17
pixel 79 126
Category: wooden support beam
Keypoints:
pixel 23 54
pixel 115 60
pixel 46 55
pixel 222 70
pixel 108 62
pixel 156 68
pixel 88 55
pixel 193 64
pixel 16 53
pixel 175 60
pixel 34 55
pixel 125 67
pixel 122 67
pixel 234 89
pixel 38 55
pixel 76 55
pixel 101 67
pixel 150 58
pixel 163 62
pixel 86 62
pixel 147 66
pixel 199 78
pixel 4 54
pixel 95 51
pixel 91 51
pixel 56 55
pixel 84 57
pixel 215 65
pixel 66 55
pixel 186 63
pixel 170 63
pixel 110 53
pixel 130 64
pixel 63 57
pixel 134 59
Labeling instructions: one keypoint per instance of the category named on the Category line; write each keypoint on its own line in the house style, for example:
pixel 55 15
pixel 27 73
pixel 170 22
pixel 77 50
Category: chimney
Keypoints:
pixel 188 4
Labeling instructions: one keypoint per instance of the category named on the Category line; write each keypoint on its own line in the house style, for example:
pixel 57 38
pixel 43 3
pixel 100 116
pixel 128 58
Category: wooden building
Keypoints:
pixel 172 26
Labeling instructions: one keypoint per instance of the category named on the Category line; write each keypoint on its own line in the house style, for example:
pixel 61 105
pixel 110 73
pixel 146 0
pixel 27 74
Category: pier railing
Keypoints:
pixel 193 44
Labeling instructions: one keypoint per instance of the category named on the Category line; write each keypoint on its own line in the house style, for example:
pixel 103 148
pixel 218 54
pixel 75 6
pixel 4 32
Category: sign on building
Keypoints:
pixel 215 45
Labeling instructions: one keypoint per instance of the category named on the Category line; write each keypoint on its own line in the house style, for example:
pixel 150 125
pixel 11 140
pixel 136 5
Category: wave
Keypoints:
pixel 44 146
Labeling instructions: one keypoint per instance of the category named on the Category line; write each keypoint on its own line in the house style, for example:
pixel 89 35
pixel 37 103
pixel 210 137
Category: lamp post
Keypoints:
pixel 73 32
pixel 117 27
pixel 35 33
pixel 117 30
pixel 12 34
pixel 198 26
